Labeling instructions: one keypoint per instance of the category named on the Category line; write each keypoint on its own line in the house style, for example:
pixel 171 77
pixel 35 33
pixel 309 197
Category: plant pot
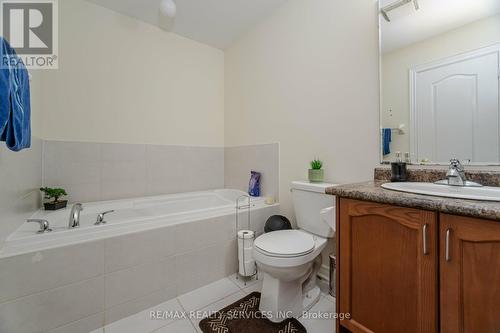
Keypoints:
pixel 316 176
pixel 55 205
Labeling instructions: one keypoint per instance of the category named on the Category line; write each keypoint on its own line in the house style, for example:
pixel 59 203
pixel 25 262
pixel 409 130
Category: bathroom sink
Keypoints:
pixel 471 193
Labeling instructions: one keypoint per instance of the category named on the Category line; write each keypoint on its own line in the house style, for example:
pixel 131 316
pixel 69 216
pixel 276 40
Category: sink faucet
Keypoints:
pixel 74 216
pixel 456 176
pixel 456 173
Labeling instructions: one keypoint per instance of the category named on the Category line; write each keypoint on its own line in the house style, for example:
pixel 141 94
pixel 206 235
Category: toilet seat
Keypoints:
pixel 285 244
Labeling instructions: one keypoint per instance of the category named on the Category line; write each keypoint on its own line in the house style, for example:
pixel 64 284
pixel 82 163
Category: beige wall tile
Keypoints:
pixel 240 161
pixel 138 281
pixel 137 248
pixel 36 272
pixel 53 308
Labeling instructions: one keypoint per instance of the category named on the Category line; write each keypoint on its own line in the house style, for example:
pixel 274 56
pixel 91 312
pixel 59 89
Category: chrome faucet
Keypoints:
pixel 456 176
pixel 74 216
pixel 456 173
pixel 44 225
pixel 100 217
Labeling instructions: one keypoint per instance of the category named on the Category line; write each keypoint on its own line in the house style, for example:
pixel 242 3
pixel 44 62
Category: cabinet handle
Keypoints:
pixel 447 256
pixel 426 250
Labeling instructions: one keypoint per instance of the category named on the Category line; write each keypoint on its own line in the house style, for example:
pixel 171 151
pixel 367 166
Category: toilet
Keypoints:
pixel 289 260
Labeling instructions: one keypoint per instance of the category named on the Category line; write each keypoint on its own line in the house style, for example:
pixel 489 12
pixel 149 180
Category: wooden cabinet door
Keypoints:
pixel 470 275
pixel 387 268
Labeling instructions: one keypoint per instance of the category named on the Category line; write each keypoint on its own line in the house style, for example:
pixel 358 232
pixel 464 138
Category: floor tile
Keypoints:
pixel 240 281
pixel 179 326
pixel 142 321
pixel 253 288
pixel 330 298
pixel 207 300
pixel 208 294
pixel 214 307
pixel 323 324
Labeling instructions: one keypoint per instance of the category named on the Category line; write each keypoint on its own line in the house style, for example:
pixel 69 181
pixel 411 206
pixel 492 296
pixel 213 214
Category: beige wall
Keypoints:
pixel 307 77
pixel 396 66
pixel 124 81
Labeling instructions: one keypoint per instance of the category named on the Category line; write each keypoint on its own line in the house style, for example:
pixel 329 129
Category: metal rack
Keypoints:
pixel 238 208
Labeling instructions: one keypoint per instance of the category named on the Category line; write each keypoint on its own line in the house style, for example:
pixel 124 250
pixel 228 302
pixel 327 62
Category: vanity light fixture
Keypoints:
pixel 385 10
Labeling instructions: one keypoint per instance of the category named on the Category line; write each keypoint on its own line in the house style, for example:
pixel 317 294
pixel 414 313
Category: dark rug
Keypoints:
pixel 243 316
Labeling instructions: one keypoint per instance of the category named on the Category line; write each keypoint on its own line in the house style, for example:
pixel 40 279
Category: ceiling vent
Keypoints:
pixel 401 5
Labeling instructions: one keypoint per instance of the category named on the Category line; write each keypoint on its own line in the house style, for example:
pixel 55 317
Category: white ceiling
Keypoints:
pixel 435 17
pixel 214 22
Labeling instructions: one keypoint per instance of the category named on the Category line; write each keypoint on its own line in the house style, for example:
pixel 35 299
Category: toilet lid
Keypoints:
pixel 285 243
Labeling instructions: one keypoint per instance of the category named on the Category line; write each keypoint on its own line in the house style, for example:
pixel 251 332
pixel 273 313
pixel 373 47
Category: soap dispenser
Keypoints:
pixel 399 169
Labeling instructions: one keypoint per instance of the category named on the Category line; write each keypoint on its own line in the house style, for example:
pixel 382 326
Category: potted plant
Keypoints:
pixel 316 174
pixel 54 193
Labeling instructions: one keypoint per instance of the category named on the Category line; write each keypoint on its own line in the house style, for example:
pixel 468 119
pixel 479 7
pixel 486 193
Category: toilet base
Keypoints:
pixel 281 300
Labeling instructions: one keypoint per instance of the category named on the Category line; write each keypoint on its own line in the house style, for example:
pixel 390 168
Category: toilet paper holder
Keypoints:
pixel 243 237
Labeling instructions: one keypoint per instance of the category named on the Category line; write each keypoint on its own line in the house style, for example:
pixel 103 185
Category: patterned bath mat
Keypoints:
pixel 243 316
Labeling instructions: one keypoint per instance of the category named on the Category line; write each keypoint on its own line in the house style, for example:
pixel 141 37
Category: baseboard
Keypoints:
pixel 324 272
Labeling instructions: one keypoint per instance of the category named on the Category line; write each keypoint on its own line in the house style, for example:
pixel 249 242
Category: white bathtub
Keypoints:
pixel 129 216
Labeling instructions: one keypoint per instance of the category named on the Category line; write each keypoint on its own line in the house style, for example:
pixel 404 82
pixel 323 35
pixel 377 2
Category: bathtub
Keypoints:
pixel 129 216
pixel 151 250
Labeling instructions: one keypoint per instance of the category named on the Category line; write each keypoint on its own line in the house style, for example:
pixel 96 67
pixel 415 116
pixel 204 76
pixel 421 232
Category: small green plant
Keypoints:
pixel 53 193
pixel 316 164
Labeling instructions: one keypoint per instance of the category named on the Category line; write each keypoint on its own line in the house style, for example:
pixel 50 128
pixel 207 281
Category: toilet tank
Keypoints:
pixel 310 204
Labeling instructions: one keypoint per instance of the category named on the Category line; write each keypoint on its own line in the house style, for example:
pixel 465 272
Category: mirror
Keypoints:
pixel 440 67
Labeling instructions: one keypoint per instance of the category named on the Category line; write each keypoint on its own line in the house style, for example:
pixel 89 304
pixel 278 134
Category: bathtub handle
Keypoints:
pixel 44 225
pixel 100 217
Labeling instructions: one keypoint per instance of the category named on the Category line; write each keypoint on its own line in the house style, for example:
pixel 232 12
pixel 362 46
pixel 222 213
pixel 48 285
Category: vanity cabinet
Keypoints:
pixel 411 270
pixel 388 268
pixel 469 275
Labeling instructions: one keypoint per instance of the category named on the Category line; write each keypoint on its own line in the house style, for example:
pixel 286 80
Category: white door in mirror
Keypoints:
pixel 456 108
pixel 472 193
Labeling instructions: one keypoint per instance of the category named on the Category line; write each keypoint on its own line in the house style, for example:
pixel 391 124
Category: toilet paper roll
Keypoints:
pixel 245 257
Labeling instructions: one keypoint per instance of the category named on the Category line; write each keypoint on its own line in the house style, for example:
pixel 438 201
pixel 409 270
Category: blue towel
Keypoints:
pixel 386 140
pixel 15 108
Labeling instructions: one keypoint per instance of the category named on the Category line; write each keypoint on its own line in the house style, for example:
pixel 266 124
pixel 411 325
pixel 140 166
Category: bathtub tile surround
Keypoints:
pixel 115 277
pixel 123 170
pixel 137 305
pixel 137 281
pixel 33 273
pixel 20 179
pixel 105 171
pixel 150 245
pixel 53 308
pixel 264 158
pixel 184 168
pixel 74 166
pixel 195 268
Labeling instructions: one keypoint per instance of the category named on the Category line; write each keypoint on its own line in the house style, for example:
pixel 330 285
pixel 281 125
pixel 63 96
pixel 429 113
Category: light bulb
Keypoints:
pixel 168 8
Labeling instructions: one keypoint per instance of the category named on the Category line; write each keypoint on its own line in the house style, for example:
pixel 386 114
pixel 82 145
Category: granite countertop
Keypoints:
pixel 372 191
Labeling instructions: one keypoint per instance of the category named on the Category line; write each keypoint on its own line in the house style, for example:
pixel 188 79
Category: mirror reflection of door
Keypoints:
pixel 455 108
pixel 439 75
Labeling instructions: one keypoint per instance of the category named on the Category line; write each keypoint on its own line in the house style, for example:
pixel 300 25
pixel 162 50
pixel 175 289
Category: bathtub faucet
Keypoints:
pixel 74 216
pixel 100 217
